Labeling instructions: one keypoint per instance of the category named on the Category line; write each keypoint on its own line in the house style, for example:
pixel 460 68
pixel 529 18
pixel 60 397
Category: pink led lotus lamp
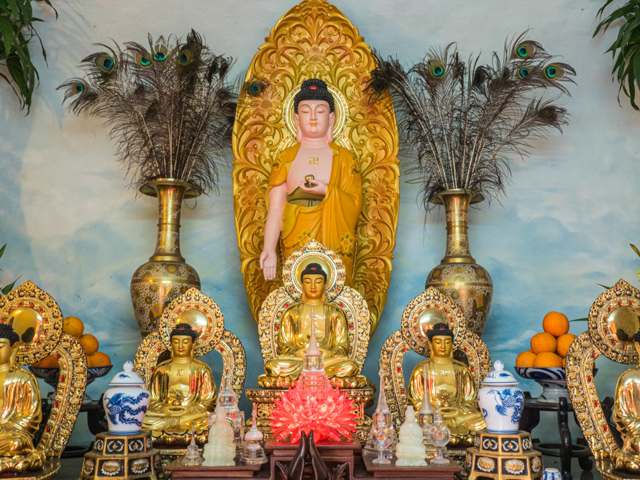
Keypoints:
pixel 313 404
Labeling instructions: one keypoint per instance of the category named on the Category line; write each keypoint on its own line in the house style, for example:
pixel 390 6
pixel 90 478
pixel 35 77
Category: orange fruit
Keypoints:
pixel 564 341
pixel 89 343
pixel 547 359
pixel 73 326
pixel 98 359
pixel 525 359
pixel 555 323
pixel 543 342
pixel 47 362
pixel 563 362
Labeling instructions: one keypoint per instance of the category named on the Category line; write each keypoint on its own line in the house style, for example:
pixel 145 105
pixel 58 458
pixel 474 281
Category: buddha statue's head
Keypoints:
pixel 313 279
pixel 314 111
pixel 8 338
pixel 441 341
pixel 182 338
pixel 636 341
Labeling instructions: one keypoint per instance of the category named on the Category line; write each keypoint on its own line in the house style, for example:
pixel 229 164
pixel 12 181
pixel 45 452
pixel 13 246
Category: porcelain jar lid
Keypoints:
pixel 499 376
pixel 127 377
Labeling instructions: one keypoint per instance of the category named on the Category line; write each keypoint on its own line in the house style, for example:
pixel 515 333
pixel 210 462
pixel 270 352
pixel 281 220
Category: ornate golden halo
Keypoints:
pixel 424 311
pixel 36 318
pixel 342 116
pixel 314 251
pixel 202 313
pixel 614 318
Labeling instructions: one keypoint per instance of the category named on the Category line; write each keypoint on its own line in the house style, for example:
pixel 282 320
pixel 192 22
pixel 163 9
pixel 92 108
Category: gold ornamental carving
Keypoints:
pixel 29 306
pixel 609 334
pixel 412 336
pixel 315 39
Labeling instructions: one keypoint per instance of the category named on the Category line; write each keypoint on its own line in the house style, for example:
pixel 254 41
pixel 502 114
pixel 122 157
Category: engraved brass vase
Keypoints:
pixel 166 275
pixel 458 275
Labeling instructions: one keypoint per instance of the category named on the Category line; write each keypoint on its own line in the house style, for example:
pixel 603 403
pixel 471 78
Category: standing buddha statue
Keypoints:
pixel 626 414
pixel 315 188
pixel 182 391
pixel 295 331
pixel 451 387
pixel 20 410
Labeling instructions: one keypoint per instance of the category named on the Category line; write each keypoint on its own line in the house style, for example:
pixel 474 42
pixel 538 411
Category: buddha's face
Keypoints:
pixel 314 120
pixel 5 351
pixel 181 346
pixel 313 286
pixel 441 346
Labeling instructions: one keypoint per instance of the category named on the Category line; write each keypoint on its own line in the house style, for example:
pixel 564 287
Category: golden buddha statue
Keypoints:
pixel 627 416
pixel 315 188
pixel 330 327
pixel 20 410
pixel 182 391
pixel 451 387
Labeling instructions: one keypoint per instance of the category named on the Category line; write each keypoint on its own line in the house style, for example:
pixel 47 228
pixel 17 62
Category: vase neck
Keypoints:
pixel 169 205
pixel 457 209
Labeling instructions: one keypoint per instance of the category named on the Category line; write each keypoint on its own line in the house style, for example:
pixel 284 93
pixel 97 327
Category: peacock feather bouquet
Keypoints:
pixel 169 106
pixel 466 119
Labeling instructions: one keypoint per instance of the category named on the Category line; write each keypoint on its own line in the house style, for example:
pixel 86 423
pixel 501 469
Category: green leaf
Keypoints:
pixel 580 319
pixel 635 249
pixel 5 246
pixel 604 286
pixel 9 287
pixel 6 32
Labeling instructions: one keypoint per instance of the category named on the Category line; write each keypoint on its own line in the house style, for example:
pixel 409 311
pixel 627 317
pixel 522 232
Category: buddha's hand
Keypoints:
pixel 449 411
pixel 268 264
pixel 317 186
pixel 174 410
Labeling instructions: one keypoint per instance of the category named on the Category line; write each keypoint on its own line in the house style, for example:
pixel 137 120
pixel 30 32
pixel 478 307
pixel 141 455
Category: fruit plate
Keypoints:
pixel 553 381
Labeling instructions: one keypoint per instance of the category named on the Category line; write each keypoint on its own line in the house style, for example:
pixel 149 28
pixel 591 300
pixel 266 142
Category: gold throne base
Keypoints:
pixel 265 401
pixel 504 456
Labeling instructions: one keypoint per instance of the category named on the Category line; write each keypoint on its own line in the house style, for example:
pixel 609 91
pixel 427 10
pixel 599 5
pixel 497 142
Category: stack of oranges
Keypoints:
pixel 549 348
pixel 90 344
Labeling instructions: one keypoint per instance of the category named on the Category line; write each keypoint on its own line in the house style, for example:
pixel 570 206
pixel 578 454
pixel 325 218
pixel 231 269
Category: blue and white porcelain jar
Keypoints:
pixel 126 402
pixel 501 401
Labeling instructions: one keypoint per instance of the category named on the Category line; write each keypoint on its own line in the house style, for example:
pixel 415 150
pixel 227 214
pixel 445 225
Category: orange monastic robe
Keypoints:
pixel 332 222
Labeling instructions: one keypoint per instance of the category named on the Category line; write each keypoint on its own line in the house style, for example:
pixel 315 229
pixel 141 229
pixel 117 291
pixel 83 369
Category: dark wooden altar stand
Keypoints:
pixel 360 466
pixel 238 471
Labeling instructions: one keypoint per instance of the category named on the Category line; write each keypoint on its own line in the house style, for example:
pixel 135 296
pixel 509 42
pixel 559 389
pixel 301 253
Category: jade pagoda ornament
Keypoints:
pixel 410 450
pixel 220 449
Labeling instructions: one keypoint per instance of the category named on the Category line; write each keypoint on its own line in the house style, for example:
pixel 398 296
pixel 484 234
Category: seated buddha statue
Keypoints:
pixel 20 410
pixel 315 188
pixel 450 385
pixel 182 392
pixel 295 331
pixel 626 414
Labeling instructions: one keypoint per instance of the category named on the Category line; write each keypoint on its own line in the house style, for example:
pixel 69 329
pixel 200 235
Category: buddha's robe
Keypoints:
pixel 293 342
pixel 20 416
pixel 175 404
pixel 332 222
pixel 451 387
pixel 626 414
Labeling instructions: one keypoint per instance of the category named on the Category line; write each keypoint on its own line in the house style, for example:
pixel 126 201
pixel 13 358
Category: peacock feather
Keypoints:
pixel 467 119
pixel 168 103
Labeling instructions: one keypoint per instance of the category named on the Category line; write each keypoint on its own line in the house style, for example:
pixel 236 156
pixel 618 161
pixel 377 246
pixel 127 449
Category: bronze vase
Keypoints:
pixel 166 275
pixel 458 275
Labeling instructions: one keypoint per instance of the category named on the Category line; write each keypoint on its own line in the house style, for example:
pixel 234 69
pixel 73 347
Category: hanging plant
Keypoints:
pixel 626 48
pixel 16 32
